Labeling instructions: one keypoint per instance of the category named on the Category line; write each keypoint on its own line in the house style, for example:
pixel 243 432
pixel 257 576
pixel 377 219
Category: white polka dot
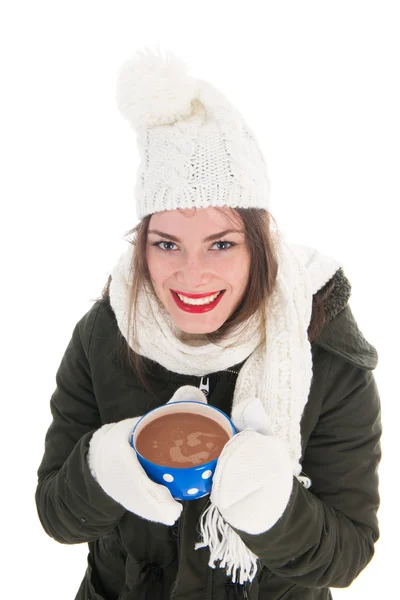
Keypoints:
pixel 167 477
pixel 192 491
pixel 206 474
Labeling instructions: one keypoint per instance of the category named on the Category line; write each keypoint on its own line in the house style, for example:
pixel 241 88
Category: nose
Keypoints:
pixel 193 273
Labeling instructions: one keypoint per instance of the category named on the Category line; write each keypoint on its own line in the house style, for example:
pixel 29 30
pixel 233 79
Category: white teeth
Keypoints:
pixel 198 301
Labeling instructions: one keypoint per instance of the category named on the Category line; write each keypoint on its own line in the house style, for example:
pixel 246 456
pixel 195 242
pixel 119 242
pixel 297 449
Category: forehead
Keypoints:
pixel 204 219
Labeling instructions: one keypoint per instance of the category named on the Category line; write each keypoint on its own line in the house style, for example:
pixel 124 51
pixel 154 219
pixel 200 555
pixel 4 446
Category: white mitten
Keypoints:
pixel 188 392
pixel 253 480
pixel 114 465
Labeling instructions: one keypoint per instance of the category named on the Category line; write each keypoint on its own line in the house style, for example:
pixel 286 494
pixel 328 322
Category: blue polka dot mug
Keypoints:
pixel 184 483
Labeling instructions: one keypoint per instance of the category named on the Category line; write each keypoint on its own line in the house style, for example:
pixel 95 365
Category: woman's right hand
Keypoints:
pixel 114 465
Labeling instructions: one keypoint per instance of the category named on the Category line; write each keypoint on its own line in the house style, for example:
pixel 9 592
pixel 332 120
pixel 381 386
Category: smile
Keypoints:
pixel 197 303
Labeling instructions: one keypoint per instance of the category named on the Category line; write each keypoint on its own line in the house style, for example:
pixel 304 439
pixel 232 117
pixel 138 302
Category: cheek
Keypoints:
pixel 237 272
pixel 160 266
pixel 153 266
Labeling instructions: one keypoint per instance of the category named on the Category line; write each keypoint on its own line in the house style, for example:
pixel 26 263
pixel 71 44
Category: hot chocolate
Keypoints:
pixel 181 440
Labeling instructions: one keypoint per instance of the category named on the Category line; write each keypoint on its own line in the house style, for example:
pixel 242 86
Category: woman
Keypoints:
pixel 210 301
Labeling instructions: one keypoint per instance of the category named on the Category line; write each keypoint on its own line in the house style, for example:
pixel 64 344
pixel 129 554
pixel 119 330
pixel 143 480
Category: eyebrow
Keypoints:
pixel 209 238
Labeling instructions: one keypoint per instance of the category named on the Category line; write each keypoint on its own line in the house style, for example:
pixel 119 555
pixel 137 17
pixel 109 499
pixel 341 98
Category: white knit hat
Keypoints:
pixel 194 146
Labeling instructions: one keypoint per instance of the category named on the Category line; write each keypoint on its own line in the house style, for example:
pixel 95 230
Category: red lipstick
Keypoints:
pixel 191 308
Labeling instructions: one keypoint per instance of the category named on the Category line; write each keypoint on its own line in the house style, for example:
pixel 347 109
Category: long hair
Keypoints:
pixel 260 227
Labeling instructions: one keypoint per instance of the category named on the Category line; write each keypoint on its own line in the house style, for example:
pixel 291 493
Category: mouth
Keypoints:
pixel 197 303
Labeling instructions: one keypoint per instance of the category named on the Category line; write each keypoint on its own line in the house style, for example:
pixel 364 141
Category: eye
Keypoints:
pixel 230 245
pixel 158 244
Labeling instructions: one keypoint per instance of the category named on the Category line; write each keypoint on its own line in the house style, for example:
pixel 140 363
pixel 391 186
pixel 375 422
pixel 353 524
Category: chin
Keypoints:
pixel 197 328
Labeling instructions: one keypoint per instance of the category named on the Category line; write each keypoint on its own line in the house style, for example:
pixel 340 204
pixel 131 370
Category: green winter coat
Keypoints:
pixel 324 538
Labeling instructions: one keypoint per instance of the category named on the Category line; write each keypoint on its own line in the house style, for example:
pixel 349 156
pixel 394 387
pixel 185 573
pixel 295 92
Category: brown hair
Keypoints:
pixel 260 229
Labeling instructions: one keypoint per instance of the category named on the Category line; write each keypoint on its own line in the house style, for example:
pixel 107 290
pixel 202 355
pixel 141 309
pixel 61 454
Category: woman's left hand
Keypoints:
pixel 253 481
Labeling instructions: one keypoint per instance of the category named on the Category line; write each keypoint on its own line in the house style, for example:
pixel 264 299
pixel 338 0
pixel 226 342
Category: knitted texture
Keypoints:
pixel 278 372
pixel 195 148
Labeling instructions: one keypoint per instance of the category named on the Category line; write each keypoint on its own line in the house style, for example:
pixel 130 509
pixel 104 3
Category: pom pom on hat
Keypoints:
pixel 194 147
pixel 155 90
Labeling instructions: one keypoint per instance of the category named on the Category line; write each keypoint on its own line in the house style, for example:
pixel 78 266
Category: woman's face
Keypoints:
pixel 200 254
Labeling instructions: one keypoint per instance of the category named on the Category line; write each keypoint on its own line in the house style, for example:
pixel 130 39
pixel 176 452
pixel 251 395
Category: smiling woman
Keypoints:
pixel 210 296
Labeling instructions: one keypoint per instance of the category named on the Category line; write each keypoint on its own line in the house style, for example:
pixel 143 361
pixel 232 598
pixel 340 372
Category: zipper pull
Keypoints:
pixel 205 385
pixel 304 480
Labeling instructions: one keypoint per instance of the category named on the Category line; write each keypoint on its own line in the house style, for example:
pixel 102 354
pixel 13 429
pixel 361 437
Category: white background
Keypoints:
pixel 317 81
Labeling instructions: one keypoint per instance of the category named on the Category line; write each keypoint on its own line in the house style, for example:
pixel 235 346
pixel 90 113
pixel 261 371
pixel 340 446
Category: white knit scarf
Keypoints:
pixel 278 372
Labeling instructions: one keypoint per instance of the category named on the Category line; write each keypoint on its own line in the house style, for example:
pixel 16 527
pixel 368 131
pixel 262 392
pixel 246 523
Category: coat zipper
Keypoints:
pixel 209 584
pixel 205 386
pixel 181 523
pixel 205 382
pixel 179 541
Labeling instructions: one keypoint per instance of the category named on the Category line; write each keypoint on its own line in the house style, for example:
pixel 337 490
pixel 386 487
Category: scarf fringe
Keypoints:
pixel 226 547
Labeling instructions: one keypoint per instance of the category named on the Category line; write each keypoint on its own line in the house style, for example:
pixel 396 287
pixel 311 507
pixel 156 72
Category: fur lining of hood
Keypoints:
pixel 341 335
pixel 339 297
